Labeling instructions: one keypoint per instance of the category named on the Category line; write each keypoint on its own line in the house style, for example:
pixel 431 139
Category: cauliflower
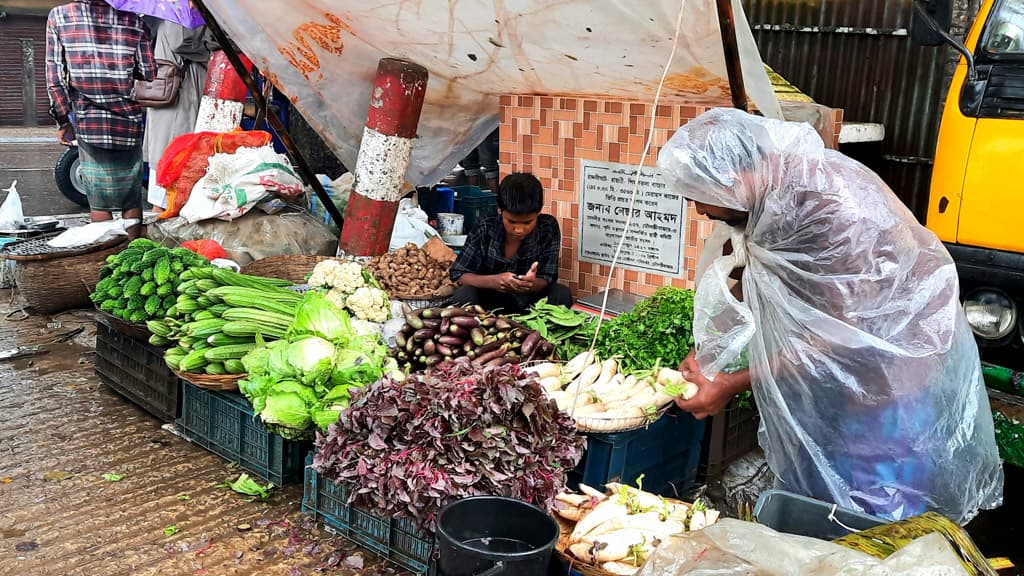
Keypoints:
pixel 369 303
pixel 344 276
pixel 365 328
pixel 337 298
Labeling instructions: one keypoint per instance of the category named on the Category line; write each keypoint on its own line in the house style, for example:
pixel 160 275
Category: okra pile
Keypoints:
pixel 217 317
pixel 434 335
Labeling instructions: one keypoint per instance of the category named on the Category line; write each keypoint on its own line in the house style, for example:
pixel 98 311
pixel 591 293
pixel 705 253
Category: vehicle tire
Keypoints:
pixel 68 178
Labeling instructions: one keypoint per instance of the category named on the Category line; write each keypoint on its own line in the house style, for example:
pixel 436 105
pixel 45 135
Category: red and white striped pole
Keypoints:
pixel 383 160
pixel 223 101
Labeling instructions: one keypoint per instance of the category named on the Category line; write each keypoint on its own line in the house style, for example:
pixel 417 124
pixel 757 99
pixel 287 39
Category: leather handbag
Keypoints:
pixel 162 90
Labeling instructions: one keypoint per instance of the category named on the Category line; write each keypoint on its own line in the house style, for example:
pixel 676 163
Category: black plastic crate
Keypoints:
pixel 398 540
pixel 224 423
pixel 136 370
pixel 666 454
pixel 728 435
pixel 794 514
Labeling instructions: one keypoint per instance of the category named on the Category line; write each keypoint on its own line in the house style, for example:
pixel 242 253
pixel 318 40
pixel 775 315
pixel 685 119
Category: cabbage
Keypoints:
pixel 312 360
pixel 279 363
pixel 287 409
pixel 324 418
pixel 255 388
pixel 316 315
pixel 256 361
pixel 307 394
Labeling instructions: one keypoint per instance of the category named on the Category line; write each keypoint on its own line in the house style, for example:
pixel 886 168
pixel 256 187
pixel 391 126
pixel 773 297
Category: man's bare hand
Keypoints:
pixel 712 395
pixel 66 135
pixel 527 282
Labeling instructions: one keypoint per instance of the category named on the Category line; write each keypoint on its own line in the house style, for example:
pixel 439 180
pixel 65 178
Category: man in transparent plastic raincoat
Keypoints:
pixel 863 366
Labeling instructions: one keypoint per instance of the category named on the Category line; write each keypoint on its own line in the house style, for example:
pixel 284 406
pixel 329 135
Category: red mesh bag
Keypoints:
pixel 186 158
pixel 209 249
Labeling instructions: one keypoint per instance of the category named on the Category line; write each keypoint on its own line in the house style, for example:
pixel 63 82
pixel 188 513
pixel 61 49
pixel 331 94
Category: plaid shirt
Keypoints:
pixel 484 252
pixel 94 54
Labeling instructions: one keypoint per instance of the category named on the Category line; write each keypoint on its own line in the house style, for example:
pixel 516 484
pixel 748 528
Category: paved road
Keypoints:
pixel 28 155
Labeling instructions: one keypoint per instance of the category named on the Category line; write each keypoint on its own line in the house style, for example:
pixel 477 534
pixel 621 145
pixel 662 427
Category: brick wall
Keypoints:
pixel 549 135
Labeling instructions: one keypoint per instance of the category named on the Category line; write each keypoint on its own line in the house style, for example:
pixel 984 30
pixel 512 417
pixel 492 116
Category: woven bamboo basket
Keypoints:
pixel 219 382
pixel 291 267
pixel 55 281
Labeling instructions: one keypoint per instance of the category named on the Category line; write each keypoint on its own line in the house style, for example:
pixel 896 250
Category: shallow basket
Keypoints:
pixel 291 267
pixel 577 566
pixel 219 382
pixel 52 281
pixel 616 425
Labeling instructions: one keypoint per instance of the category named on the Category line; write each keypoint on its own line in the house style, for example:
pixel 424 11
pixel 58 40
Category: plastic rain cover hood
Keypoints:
pixel 324 55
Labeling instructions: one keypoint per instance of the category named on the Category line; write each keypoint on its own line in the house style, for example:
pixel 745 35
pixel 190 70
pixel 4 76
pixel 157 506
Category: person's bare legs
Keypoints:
pixel 100 216
pixel 136 230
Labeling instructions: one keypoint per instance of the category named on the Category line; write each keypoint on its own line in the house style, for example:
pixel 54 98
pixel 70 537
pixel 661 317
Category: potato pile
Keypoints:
pixel 409 273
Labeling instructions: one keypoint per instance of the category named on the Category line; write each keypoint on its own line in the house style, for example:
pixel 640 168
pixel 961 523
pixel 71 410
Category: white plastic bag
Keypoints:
pixel 735 548
pixel 235 183
pixel 410 226
pixel 92 233
pixel 11 216
pixel 864 368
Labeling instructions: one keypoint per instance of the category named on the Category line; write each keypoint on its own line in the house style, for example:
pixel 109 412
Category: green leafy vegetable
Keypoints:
pixel 659 328
pixel 171 530
pixel 111 477
pixel 316 315
pixel 245 484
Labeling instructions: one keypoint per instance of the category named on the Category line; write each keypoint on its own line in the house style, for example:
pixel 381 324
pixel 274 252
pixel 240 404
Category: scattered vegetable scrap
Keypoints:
pixel 111 477
pixel 171 530
pixel 245 484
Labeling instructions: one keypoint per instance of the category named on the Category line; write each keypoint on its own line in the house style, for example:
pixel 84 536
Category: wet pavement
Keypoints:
pixel 61 430
pixel 28 155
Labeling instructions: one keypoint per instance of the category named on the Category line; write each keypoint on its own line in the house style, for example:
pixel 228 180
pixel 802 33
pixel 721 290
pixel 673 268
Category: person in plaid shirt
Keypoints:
pixel 510 261
pixel 94 54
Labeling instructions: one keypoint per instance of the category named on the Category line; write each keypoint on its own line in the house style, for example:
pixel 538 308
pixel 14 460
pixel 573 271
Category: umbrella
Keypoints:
pixel 180 11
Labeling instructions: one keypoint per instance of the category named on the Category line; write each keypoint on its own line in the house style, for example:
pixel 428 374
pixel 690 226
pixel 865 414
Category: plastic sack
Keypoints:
pixel 11 215
pixel 186 159
pixel 92 233
pixel 236 182
pixel 733 547
pixel 254 236
pixel 410 226
pixel 864 368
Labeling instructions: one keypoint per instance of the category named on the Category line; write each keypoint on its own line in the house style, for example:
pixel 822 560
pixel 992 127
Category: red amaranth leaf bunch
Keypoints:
pixel 406 448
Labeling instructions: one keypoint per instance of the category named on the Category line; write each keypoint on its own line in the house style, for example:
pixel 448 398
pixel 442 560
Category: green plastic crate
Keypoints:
pixel 396 539
pixel 224 423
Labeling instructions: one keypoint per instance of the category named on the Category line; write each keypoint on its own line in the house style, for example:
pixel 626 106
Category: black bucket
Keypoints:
pixel 492 536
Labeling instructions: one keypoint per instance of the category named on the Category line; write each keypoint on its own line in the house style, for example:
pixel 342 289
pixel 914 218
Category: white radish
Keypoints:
pixel 585 409
pixel 675 385
pixel 572 514
pixel 647 522
pixel 585 379
pixel 644 499
pixel 565 400
pixel 575 366
pixel 545 370
pixel 711 516
pixel 612 385
pixel 577 500
pixel 551 384
pixel 601 513
pixel 698 521
pixel 618 545
pixel 620 568
pixel 609 368
pixel 592 492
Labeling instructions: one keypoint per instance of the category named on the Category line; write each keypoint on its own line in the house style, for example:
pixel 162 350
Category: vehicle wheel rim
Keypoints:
pixel 76 177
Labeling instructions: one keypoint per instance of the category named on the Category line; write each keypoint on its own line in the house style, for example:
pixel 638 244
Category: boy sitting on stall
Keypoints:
pixel 510 261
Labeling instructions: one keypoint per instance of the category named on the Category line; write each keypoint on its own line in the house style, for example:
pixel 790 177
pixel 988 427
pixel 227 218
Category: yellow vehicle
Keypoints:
pixel 976 204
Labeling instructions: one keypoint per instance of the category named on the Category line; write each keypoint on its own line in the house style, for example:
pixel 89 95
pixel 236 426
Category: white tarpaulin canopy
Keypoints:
pixel 324 54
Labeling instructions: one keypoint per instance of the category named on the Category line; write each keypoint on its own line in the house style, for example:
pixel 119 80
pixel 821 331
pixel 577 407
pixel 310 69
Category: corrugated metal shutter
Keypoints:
pixel 21 38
